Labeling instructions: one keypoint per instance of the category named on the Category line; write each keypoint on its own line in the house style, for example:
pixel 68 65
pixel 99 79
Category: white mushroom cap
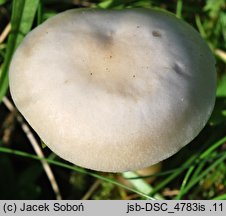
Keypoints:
pixel 114 90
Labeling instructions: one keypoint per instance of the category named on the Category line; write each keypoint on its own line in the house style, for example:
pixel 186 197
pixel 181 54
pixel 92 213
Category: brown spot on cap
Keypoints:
pixel 156 34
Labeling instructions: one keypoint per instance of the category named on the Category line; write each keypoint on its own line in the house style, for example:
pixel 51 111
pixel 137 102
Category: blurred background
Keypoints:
pixel 198 171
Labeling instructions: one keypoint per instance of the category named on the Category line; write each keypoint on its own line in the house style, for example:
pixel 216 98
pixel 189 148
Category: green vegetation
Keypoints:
pixel 198 171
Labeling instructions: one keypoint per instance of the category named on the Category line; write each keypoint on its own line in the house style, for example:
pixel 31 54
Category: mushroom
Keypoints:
pixel 114 90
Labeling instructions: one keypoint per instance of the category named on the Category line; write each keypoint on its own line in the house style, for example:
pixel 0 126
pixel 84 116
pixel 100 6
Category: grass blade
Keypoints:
pixel 221 197
pixel 179 8
pixel 74 168
pixel 203 174
pixel 23 14
pixel 174 175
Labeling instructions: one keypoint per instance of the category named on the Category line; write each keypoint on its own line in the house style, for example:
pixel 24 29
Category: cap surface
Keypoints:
pixel 114 90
